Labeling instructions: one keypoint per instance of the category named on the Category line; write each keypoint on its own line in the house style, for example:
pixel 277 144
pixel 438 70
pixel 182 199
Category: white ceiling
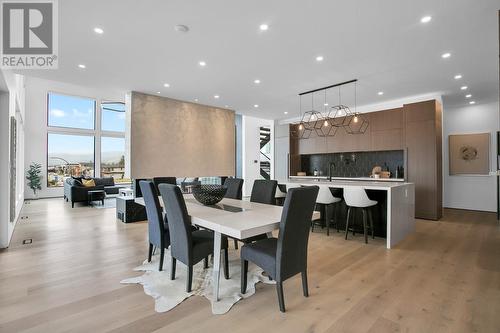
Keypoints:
pixel 380 42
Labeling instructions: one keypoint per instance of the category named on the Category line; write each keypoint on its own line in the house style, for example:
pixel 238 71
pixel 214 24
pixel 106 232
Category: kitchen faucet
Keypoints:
pixel 330 174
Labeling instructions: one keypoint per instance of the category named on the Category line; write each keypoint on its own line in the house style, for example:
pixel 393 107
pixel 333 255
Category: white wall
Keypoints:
pixel 281 151
pixel 470 192
pixel 11 105
pixel 36 121
pixel 251 150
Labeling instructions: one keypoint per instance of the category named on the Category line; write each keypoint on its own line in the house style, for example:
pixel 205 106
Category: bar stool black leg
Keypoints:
pixel 347 222
pixel 364 225
pixel 327 220
pixel 370 218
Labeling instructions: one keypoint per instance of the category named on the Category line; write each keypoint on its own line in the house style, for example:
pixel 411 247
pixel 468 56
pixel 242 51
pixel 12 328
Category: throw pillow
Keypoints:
pixel 88 182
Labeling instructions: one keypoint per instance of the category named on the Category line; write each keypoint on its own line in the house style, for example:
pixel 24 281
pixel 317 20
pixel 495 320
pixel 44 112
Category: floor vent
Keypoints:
pixel 27 241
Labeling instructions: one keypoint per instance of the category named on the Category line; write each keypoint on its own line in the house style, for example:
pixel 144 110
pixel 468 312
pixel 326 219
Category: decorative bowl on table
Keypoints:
pixel 209 194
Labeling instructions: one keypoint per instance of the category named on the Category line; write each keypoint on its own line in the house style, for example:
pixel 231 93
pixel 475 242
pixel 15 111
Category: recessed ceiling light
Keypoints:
pixel 446 55
pixel 319 58
pixel 158 92
pixel 472 102
pixel 181 28
pixel 458 77
pixel 196 99
pixel 166 85
pixel 98 31
pixel 216 96
pixel 82 66
pixel 202 63
pixel 286 112
pixel 426 19
pixel 325 104
pixel 463 88
pixel 226 106
pixel 380 93
pixel 257 81
pixel 263 27
pixel 256 105
pixel 468 96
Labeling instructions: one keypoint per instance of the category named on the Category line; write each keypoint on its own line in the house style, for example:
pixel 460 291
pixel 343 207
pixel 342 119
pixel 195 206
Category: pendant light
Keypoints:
pixel 356 122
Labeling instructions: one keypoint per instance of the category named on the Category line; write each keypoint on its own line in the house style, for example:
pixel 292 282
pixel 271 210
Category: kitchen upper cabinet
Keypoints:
pixel 387 129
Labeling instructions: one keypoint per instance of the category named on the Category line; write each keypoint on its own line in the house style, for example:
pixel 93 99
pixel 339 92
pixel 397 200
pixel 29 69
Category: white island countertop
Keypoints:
pixel 371 179
pixel 400 210
pixel 342 182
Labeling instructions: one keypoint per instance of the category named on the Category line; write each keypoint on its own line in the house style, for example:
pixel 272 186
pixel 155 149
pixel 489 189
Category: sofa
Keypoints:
pixel 74 191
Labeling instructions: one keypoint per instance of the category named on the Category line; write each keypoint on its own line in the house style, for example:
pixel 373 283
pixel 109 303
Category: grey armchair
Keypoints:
pixel 285 256
pixel 189 247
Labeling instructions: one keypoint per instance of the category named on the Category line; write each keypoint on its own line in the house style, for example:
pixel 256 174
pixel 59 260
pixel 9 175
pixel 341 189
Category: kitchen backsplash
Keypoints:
pixel 356 164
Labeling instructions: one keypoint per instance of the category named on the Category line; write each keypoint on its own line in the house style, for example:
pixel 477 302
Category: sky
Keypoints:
pixel 77 112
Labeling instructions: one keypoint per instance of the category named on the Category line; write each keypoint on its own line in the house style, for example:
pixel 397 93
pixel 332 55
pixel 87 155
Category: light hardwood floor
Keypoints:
pixel 444 278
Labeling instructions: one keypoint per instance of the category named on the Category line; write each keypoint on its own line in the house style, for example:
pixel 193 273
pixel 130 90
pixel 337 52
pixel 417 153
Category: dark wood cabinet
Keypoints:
pixel 423 137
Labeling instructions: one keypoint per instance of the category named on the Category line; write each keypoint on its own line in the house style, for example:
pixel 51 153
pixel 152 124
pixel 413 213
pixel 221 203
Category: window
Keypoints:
pixel 113 117
pixel 72 134
pixel 71 111
pixel 68 155
pixel 113 159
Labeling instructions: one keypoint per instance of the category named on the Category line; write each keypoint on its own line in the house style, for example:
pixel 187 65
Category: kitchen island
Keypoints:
pixel 399 207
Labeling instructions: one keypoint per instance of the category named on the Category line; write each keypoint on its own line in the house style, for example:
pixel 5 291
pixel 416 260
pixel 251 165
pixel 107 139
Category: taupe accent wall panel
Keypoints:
pixel 175 138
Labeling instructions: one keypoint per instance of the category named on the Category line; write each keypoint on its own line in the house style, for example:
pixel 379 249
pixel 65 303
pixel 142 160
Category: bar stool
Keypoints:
pixel 325 199
pixel 356 197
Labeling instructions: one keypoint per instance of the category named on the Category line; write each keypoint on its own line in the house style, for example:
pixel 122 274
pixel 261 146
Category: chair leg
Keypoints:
pixel 205 263
pixel 72 204
pixel 244 272
pixel 235 244
pixel 347 222
pixel 172 268
pixel 365 225
pixel 150 252
pixel 189 281
pixel 162 254
pixel 305 288
pixel 281 299
pixel 226 264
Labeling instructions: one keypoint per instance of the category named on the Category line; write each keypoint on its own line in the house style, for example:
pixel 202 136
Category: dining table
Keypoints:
pixel 239 219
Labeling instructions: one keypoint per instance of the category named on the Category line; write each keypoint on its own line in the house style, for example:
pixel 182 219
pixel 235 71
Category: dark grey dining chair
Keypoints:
pixel 234 188
pixel 234 191
pixel 264 191
pixel 164 180
pixel 187 246
pixel 285 256
pixel 159 236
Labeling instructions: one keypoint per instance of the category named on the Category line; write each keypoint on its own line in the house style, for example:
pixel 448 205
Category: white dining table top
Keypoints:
pixel 255 219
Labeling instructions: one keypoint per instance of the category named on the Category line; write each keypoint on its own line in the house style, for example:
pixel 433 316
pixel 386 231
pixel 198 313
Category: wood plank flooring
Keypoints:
pixel 443 278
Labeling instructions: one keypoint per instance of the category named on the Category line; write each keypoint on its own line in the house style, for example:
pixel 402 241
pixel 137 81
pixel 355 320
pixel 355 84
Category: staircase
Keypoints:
pixel 265 160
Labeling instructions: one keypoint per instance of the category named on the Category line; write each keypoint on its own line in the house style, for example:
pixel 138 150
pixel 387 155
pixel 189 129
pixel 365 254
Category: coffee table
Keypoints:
pixel 96 195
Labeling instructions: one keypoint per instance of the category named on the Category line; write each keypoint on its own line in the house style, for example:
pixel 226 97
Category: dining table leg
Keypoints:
pixel 216 273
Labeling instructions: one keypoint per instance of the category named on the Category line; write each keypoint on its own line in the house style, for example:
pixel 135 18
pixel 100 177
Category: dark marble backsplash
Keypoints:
pixel 356 164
